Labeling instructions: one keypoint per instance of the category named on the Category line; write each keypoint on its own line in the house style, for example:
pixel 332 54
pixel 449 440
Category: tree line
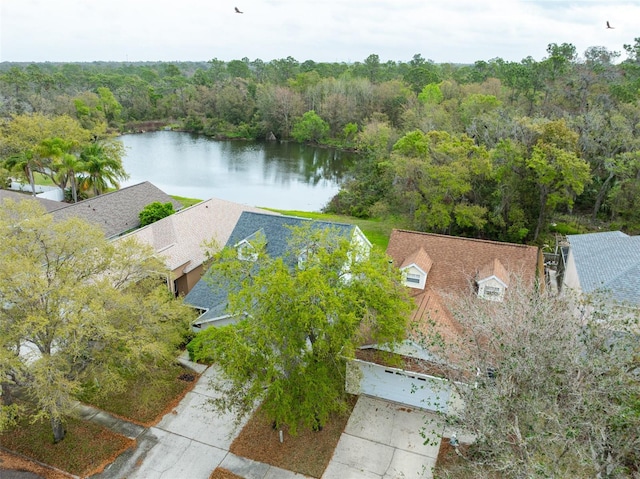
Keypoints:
pixel 525 124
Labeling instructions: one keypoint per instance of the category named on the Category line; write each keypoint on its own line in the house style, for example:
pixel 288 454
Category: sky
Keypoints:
pixel 444 31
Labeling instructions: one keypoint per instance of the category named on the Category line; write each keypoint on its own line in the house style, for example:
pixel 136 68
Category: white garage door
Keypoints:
pixel 413 389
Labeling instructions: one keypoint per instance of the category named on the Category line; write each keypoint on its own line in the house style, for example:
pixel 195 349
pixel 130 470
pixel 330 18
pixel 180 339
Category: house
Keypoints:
pixel 47 204
pixel 436 267
pixel 606 263
pixel 116 212
pixel 179 238
pixel 275 230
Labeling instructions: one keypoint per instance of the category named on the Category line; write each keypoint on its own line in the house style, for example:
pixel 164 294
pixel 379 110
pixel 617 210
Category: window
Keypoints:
pixel 247 252
pixel 413 278
pixel 491 291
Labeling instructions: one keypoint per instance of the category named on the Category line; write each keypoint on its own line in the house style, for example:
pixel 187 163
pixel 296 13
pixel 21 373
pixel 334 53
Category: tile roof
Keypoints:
pixel 608 261
pixel 456 264
pixel 179 238
pixel 276 230
pixel 116 212
pixel 49 205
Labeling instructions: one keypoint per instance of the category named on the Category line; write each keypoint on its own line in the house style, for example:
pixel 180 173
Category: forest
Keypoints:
pixel 502 150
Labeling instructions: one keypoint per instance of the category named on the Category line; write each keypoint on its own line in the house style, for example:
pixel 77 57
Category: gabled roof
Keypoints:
pixel 179 238
pixel 494 268
pixel 276 231
pixel 420 258
pixel 457 261
pixel 116 212
pixel 49 205
pixel 608 262
pixel 456 264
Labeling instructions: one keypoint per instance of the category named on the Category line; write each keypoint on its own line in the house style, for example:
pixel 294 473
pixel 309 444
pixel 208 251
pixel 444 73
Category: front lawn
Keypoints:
pixel 144 400
pixel 307 453
pixel 86 449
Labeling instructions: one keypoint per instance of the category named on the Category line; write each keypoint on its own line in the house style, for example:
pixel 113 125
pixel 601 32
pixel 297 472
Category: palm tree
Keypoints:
pixel 102 166
pixel 24 163
pixel 67 169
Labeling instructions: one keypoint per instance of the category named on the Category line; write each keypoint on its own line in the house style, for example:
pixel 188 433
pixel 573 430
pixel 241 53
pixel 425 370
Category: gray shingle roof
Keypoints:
pixel 608 262
pixel 116 212
pixel 276 230
pixel 49 205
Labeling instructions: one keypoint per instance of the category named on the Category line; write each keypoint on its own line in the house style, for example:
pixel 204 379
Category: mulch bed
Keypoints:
pixel 17 463
pixel 308 453
pixel 86 449
pixel 221 473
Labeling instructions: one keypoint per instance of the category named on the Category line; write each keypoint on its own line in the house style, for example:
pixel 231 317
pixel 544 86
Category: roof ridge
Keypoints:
pixel 464 238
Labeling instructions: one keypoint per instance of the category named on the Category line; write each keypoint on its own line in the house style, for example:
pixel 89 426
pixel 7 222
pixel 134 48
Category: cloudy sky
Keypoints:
pixel 457 31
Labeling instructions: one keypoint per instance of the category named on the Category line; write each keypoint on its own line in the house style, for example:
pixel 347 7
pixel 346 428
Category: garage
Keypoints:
pixel 398 385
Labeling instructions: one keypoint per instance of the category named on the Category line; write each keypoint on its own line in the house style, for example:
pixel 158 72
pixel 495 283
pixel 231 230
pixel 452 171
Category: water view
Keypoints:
pixel 271 174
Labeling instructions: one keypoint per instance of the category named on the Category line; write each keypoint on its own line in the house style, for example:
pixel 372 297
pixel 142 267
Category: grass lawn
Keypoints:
pixel 86 449
pixel 186 202
pixel 307 453
pixel 377 231
pixel 144 400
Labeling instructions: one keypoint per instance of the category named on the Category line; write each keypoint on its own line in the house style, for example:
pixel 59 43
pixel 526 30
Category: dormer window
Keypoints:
pixel 415 269
pixel 246 251
pixel 492 281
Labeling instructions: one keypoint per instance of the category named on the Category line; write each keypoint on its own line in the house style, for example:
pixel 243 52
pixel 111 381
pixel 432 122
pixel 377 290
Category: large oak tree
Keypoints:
pixel 301 316
pixel 77 311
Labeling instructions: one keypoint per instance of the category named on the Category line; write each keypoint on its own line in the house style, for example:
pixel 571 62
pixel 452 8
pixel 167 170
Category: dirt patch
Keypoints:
pixel 221 473
pixel 307 453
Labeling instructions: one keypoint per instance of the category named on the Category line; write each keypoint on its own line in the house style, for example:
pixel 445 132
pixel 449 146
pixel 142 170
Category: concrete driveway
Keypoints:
pixel 382 440
pixel 189 443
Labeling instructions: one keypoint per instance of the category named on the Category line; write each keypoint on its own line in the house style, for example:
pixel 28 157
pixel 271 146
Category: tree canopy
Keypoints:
pixel 77 311
pixel 300 316
pixel 550 386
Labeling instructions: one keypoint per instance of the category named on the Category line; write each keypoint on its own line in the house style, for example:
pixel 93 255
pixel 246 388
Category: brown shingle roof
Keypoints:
pixel 456 264
pixel 420 258
pixel 494 268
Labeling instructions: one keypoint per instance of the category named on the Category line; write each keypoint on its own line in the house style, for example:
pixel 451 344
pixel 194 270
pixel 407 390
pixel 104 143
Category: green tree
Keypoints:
pixel 439 180
pixel 559 173
pixel 301 316
pixel 102 166
pixel 155 211
pixel 310 127
pixel 77 311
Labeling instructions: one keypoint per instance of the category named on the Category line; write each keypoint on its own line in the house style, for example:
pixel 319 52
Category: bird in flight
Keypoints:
pixel 238 11
pixel 609 26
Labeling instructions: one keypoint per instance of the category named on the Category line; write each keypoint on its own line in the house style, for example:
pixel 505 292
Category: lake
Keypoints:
pixel 270 174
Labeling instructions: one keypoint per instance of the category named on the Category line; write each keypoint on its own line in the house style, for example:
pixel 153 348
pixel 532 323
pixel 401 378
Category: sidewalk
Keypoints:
pixel 382 440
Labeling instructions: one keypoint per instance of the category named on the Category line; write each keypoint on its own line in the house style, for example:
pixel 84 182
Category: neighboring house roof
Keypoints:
pixel 608 262
pixel 49 205
pixel 276 231
pixel 457 263
pixel 116 212
pixel 179 238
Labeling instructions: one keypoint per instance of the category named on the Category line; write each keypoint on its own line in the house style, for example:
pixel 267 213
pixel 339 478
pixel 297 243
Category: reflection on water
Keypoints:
pixel 272 174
